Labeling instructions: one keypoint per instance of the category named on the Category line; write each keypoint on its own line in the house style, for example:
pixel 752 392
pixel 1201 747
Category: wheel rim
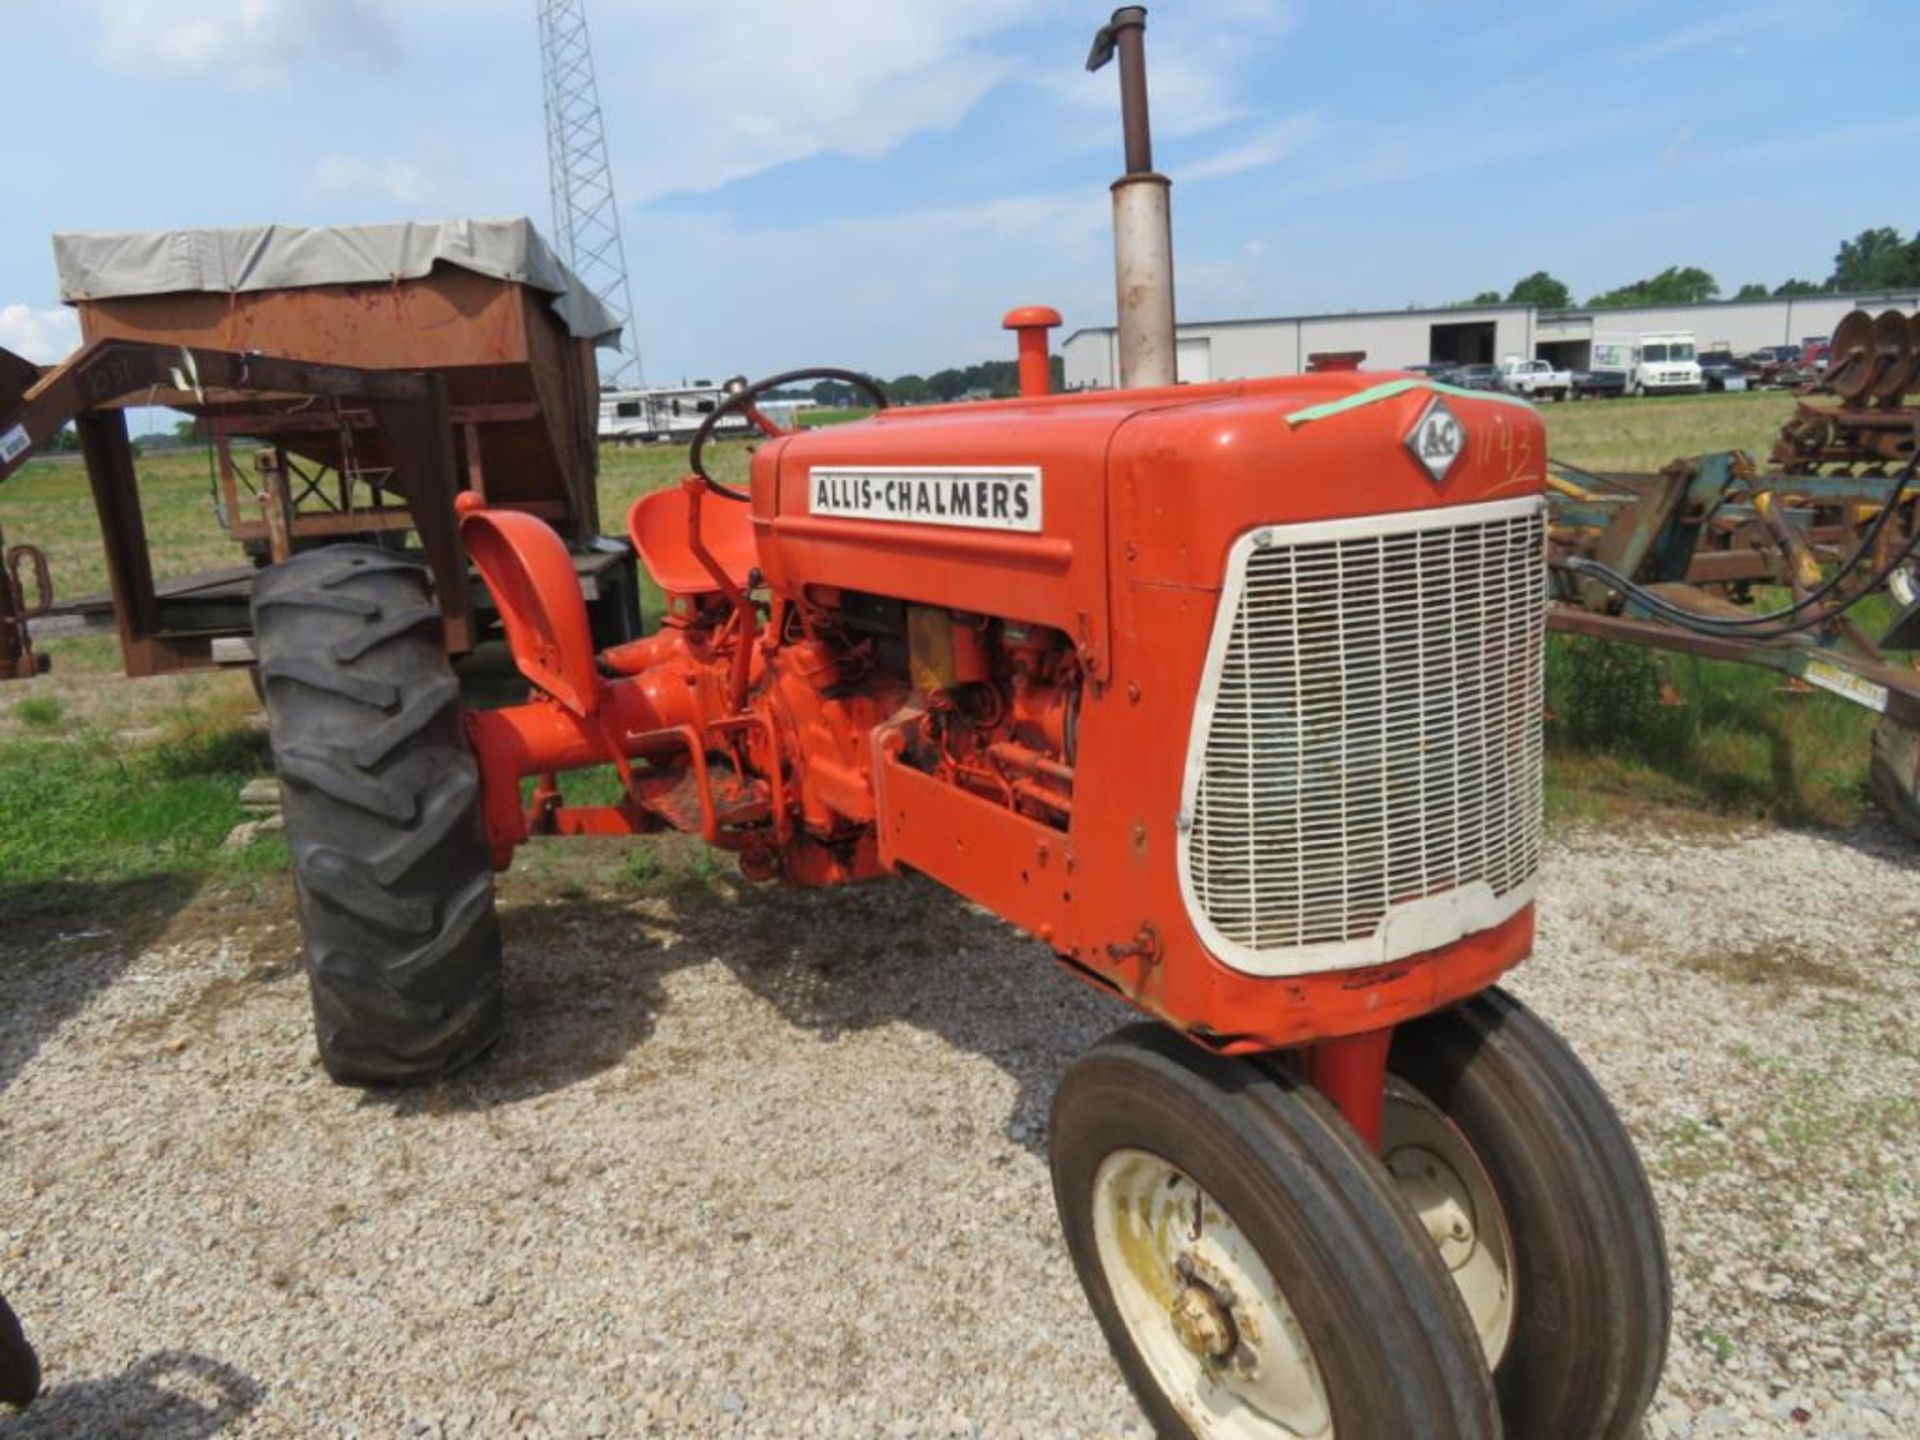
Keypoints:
pixel 1904 583
pixel 1201 1306
pixel 1442 1179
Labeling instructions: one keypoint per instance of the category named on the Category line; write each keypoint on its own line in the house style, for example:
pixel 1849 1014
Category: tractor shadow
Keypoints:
pixel 584 988
pixel 168 1395
pixel 907 951
pixel 1877 838
pixel 62 942
pixel 587 981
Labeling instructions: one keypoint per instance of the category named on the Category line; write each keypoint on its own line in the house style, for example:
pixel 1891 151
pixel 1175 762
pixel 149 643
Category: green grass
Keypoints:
pixel 38 712
pixel 90 808
pixel 814 419
pixel 1630 730
pixel 1643 435
pixel 49 505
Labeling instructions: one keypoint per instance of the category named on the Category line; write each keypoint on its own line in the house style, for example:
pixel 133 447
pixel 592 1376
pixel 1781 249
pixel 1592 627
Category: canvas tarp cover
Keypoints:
pixel 284 257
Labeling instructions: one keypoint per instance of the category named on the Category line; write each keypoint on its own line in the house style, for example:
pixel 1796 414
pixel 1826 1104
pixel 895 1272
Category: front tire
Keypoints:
pixel 381 797
pixel 1541 1211
pixel 1252 1268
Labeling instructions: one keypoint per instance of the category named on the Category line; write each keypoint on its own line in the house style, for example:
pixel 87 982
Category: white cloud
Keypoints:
pixel 888 292
pixel 1697 34
pixel 1268 147
pixel 245 44
pixel 758 83
pixel 1196 67
pixel 355 174
pixel 42 336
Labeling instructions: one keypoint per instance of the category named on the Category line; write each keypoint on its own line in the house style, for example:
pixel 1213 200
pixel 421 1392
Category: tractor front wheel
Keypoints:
pixel 1252 1268
pixel 1528 1185
pixel 381 797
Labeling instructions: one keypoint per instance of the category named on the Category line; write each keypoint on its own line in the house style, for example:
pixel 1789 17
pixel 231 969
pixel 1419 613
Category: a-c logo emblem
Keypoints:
pixel 1438 439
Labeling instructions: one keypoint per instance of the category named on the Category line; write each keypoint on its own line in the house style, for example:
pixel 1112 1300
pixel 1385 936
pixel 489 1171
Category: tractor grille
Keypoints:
pixel 1364 775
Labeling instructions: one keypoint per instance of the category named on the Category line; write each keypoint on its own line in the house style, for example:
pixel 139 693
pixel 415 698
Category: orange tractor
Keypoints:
pixel 1228 694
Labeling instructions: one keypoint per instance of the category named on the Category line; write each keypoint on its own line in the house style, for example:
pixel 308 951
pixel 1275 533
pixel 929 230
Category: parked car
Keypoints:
pixel 1536 379
pixel 1599 384
pixel 1777 367
pixel 1445 372
pixel 1477 377
pixel 1720 371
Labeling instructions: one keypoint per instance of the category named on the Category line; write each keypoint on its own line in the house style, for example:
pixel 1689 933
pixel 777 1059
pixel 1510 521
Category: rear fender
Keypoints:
pixel 532 580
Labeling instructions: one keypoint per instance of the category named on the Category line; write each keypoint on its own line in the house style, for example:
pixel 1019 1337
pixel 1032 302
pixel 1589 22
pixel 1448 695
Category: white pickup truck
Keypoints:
pixel 1536 379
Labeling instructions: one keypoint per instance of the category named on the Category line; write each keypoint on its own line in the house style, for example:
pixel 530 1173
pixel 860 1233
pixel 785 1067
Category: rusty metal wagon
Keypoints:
pixel 480 307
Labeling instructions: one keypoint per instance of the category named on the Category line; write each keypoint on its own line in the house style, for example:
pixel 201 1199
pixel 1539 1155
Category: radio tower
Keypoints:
pixel 586 221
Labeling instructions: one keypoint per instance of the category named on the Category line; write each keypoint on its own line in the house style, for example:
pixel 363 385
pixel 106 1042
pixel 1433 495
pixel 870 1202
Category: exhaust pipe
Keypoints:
pixel 1142 216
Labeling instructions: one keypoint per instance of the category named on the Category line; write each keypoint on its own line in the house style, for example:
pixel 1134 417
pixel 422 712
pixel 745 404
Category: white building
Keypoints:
pixel 1467 334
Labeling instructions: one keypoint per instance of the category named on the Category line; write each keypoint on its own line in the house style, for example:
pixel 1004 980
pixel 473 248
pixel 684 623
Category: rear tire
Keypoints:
pixel 381 797
pixel 19 1366
pixel 1586 1337
pixel 1895 774
pixel 1303 1301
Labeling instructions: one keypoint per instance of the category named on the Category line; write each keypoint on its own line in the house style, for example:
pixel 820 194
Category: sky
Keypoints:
pixel 873 183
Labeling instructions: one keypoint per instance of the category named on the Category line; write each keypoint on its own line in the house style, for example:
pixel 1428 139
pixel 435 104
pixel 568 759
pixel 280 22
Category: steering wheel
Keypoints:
pixel 743 398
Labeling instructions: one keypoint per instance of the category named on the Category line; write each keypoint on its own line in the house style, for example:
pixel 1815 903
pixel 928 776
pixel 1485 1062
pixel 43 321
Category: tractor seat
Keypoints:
pixel 657 525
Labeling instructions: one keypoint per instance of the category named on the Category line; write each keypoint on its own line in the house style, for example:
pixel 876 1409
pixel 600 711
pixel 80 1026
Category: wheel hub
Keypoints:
pixel 1204 1322
pixel 1203 1306
pixel 1439 1197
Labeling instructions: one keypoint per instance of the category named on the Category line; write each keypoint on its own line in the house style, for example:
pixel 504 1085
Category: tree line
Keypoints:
pixel 998 378
pixel 1877 259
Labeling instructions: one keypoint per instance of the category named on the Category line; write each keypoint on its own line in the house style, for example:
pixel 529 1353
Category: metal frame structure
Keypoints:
pixel 87 388
pixel 1675 561
pixel 1707 530
pixel 586 217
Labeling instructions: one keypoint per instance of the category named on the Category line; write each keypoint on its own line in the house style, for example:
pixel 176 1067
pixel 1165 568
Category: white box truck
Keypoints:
pixel 1664 363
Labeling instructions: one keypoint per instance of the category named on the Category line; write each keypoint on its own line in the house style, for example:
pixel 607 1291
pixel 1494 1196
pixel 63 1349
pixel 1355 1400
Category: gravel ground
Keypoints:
pixel 774 1165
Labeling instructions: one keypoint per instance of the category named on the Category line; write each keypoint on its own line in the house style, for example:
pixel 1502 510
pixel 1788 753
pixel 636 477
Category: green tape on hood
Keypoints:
pixel 1373 395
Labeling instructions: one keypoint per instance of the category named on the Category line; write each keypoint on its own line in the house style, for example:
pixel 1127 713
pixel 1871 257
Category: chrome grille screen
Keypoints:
pixel 1364 777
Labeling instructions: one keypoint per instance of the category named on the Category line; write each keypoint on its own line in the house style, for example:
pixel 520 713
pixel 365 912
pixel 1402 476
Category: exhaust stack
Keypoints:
pixel 1142 215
